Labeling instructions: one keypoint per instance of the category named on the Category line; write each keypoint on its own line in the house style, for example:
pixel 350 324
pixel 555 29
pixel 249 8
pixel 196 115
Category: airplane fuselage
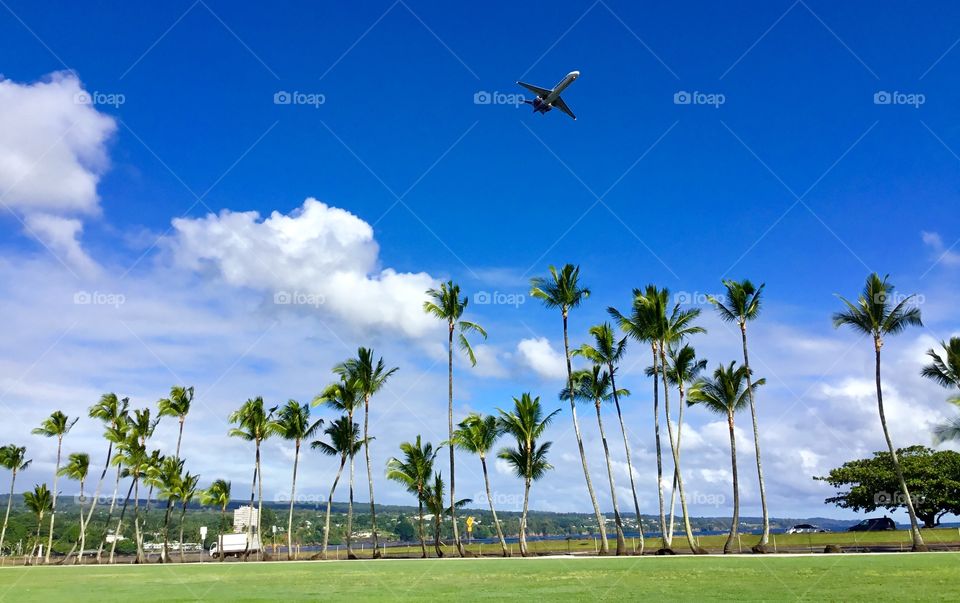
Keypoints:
pixel 542 104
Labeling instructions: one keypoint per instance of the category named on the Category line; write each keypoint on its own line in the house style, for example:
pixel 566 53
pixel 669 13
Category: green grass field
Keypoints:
pixel 887 577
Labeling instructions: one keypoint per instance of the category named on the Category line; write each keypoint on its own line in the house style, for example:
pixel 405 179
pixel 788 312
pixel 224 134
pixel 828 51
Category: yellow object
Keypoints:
pixel 469 524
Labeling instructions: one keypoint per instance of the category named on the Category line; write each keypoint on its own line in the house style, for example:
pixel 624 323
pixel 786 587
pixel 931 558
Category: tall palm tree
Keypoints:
pixel 113 412
pixel 682 368
pixel 414 472
pixel 77 468
pixel 293 423
pixel 39 501
pixel 218 495
pixel 366 378
pixel 342 396
pixel 641 325
pixel 56 425
pixel 141 467
pixel 169 479
pixel 594 386
pixel 526 423
pixel 177 405
pixel 434 501
pixel 742 305
pixel 14 459
pixel 253 425
pixel 945 370
pixel 477 434
pixel 725 394
pixel 448 306
pixel 345 442
pixel 130 458
pixel 873 314
pixel 562 290
pixel 186 490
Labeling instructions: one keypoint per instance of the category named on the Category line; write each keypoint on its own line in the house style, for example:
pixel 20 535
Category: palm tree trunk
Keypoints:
pixel 674 490
pixel 366 453
pixel 223 519
pixel 626 447
pixel 496 522
pixel 914 526
pixel 656 433
pixel 113 503
pixel 136 521
pixel 293 494
pixel 164 557
pixel 523 516
pixel 601 522
pixel 453 506
pixel 6 517
pixel 123 511
pixel 765 538
pixel 676 454
pixel 253 494
pixel 53 508
pixel 420 531
pixel 183 515
pixel 735 523
pixel 618 521
pixel 259 505
pixel 93 503
pixel 326 529
pixel 179 438
pixel 350 554
pixel 437 525
pixel 83 527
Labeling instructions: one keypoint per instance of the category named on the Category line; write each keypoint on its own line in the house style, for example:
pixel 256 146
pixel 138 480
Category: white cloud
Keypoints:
pixel 941 252
pixel 537 354
pixel 318 253
pixel 61 236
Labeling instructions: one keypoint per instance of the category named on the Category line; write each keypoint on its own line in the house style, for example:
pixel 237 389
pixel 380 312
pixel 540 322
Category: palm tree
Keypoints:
pixel 433 499
pixel 366 378
pixel 526 424
pixel 641 325
pixel 177 405
pixel 293 423
pixel 725 394
pixel 447 305
pixel 873 314
pixel 477 434
pixel 253 422
pixel 562 290
pixel 342 396
pixel 945 370
pixel 682 368
pixel 141 467
pixel 186 490
pixel 129 459
pixel 345 442
pixel 114 414
pixel 743 305
pixel 38 502
pixel 169 480
pixel 77 468
pixel 608 351
pixel 414 472
pixel 218 495
pixel 594 385
pixel 56 425
pixel 14 459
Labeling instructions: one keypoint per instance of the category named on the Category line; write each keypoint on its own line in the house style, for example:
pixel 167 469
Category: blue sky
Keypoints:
pixel 799 179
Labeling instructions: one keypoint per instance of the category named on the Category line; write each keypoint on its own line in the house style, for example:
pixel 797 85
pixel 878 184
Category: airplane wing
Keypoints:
pixel 559 104
pixel 536 89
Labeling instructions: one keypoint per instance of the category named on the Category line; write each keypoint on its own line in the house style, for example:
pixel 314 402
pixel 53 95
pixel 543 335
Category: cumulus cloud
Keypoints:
pixel 537 354
pixel 61 236
pixel 324 256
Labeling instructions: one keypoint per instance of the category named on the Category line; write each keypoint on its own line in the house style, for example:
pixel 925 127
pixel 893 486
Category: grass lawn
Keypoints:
pixel 887 577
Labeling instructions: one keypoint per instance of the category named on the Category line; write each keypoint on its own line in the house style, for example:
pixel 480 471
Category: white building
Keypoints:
pixel 243 517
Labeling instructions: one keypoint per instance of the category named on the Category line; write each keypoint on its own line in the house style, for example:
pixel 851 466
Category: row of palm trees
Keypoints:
pixel 651 320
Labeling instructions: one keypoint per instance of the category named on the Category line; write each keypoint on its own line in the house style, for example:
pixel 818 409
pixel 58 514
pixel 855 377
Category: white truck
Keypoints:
pixel 235 544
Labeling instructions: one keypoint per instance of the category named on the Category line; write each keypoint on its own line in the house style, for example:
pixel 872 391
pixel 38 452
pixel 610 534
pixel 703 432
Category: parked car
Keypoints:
pixel 805 528
pixel 874 524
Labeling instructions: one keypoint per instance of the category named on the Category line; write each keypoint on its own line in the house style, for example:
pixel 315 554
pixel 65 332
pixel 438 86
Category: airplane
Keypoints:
pixel 548 99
